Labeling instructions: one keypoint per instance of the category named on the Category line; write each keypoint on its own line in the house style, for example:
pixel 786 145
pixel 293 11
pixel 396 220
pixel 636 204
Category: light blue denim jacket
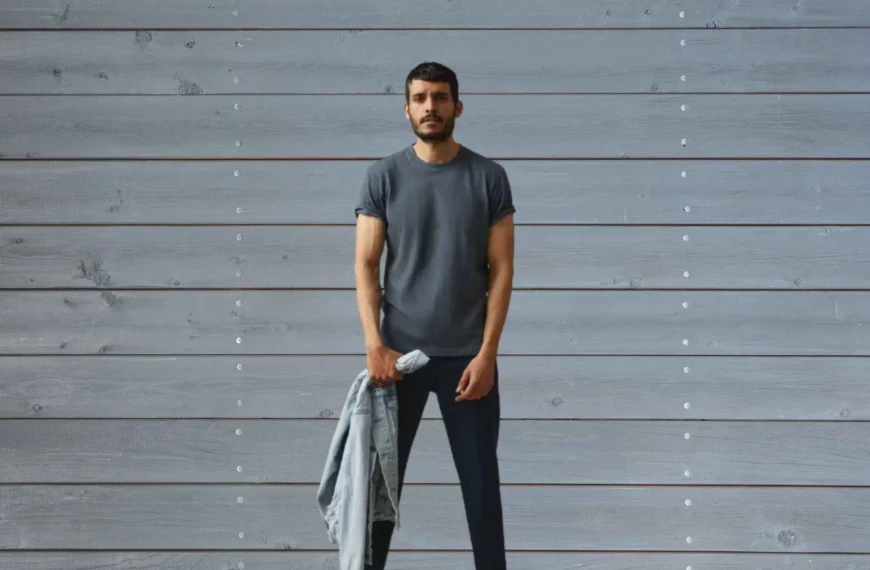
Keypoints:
pixel 360 480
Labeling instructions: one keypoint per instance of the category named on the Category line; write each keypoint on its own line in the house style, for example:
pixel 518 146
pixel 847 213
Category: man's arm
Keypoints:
pixel 370 239
pixel 500 254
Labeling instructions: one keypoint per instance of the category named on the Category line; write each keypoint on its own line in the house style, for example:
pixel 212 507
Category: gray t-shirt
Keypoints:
pixel 436 275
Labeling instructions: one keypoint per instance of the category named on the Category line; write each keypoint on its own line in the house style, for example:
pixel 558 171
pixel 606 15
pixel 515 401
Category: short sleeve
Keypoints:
pixel 501 201
pixel 372 196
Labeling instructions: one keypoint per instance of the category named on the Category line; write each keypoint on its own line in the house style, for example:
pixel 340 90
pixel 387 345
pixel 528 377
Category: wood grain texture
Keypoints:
pixel 499 126
pixel 546 257
pixel 505 61
pixel 76 14
pixel 539 322
pixel 757 519
pixel 530 452
pixel 179 560
pixel 312 192
pixel 544 387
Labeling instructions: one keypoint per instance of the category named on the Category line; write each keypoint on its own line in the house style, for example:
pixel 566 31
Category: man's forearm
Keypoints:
pixel 368 297
pixel 500 286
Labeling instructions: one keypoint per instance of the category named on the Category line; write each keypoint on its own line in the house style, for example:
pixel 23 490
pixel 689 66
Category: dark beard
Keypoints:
pixel 445 133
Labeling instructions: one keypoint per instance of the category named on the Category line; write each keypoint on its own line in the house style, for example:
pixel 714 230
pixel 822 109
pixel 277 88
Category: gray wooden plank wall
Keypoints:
pixel 685 364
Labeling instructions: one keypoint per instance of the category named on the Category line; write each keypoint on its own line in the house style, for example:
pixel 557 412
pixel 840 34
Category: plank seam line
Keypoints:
pixel 361 354
pixel 772 553
pixel 476 93
pixel 505 419
pixel 699 486
pixel 352 225
pixel 711 29
pixel 230 159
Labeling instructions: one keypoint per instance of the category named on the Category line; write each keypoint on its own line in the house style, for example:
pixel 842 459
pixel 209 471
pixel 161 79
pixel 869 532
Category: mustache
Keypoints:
pixel 431 119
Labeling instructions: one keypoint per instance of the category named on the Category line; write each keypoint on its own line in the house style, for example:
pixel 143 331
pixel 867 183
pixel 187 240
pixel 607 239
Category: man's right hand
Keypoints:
pixel 381 364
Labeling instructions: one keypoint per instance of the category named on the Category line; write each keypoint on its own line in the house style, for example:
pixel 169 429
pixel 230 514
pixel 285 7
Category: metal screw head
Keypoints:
pixel 683 15
pixel 682 42
pixel 236 172
pixel 686 342
pixel 687 209
pixel 235 12
pixel 239 403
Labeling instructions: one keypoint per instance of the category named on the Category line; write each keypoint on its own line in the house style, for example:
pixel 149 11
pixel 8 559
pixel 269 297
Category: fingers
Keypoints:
pixel 469 386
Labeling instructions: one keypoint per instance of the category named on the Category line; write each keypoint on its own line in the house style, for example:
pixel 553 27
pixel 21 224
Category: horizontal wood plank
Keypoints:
pixel 506 61
pixel 179 560
pixel 530 452
pixel 311 192
pixel 758 519
pixel 77 14
pixel 499 126
pixel 546 257
pixel 544 387
pixel 539 322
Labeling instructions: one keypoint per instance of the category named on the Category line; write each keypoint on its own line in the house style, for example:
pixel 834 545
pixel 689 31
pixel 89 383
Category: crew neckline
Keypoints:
pixel 412 156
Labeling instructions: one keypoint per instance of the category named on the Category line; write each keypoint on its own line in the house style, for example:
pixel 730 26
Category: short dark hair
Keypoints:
pixel 433 72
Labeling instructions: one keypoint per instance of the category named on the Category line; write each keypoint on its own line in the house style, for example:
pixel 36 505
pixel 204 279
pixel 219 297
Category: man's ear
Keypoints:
pixel 458 108
pixel 407 112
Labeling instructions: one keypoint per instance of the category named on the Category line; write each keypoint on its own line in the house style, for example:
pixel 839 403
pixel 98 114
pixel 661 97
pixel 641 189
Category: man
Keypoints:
pixel 445 216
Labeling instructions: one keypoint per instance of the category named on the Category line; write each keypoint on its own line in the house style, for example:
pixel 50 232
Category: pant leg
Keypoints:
pixel 472 430
pixel 411 394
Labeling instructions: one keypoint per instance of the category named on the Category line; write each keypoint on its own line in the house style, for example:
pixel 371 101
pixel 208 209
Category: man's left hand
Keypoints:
pixel 478 378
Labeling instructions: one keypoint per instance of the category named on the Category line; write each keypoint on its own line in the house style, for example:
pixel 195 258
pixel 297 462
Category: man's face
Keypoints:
pixel 431 110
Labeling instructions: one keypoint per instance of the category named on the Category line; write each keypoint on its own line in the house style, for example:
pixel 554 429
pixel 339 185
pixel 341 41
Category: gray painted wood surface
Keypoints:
pixel 502 61
pixel 542 322
pixel 150 560
pixel 551 517
pixel 530 452
pixel 261 560
pixel 73 14
pixel 325 192
pixel 120 409
pixel 371 126
pixel 546 257
pixel 543 387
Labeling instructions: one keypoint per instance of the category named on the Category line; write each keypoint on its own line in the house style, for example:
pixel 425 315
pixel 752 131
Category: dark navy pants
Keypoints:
pixel 472 431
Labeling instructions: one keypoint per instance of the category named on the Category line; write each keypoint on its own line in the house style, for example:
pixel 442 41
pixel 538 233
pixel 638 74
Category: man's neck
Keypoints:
pixel 437 152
